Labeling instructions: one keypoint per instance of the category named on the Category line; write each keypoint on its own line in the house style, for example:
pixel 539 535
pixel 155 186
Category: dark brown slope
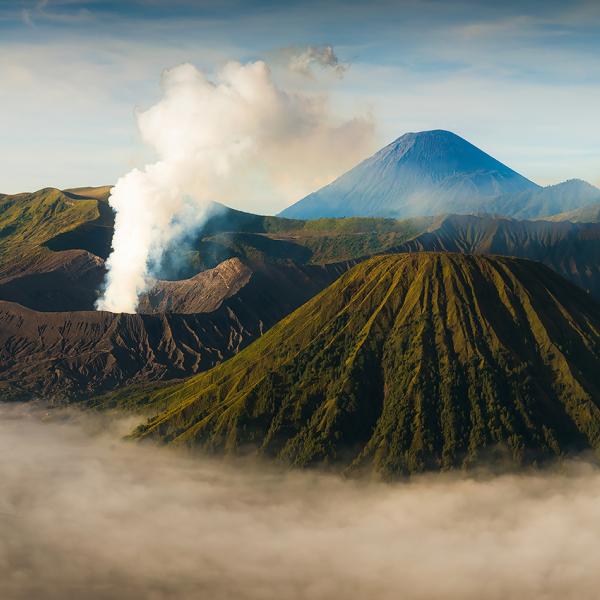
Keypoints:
pixel 204 292
pixel 289 284
pixel 70 354
pixel 408 362
pixel 62 281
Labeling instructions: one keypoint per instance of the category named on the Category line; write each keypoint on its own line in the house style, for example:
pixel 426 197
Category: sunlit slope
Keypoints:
pixel 407 362
pixel 30 221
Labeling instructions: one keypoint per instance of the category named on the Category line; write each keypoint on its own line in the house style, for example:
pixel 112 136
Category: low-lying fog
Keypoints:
pixel 85 515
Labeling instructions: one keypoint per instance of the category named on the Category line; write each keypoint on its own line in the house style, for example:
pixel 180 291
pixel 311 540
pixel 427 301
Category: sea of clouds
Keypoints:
pixel 84 514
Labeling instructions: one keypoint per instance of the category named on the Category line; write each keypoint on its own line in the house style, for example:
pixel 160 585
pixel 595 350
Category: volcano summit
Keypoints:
pixel 424 173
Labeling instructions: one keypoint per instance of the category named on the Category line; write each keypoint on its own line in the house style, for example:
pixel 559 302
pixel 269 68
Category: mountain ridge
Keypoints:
pixel 572 250
pixel 572 194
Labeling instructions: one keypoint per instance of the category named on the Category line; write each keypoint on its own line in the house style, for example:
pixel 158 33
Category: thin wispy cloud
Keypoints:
pixel 67 13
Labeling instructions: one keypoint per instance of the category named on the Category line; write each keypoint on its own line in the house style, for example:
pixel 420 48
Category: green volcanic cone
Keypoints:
pixel 408 362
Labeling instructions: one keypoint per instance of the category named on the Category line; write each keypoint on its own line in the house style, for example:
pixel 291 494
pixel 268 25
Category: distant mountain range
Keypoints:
pixel 570 195
pixel 437 172
pixel 407 363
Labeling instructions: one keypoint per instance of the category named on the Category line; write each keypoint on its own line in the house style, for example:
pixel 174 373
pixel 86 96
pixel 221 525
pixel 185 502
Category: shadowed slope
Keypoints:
pixel 572 250
pixel 406 363
pixel 29 221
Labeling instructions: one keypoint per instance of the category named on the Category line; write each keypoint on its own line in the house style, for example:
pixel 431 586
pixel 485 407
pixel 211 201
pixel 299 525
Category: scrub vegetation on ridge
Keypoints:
pixel 407 363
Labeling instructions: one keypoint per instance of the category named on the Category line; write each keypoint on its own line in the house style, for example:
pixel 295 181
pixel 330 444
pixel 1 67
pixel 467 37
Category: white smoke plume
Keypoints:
pixel 240 137
pixel 302 60
pixel 85 515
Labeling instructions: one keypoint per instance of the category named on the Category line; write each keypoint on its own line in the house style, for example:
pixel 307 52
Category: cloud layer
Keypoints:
pixel 85 515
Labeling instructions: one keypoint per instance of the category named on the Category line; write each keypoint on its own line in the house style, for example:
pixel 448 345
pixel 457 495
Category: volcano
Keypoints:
pixel 407 363
pixel 426 173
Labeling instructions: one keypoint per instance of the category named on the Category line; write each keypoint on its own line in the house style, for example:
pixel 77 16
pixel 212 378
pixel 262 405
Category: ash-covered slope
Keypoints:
pixel 203 292
pixel 68 355
pixel 426 173
pixel 408 362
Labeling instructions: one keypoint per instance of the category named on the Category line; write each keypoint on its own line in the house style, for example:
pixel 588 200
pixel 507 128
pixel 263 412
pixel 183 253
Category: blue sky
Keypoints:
pixel 520 80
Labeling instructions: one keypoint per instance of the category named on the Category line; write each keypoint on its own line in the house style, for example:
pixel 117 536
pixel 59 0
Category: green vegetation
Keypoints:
pixel 406 363
pixel 230 233
pixel 330 248
pixel 30 222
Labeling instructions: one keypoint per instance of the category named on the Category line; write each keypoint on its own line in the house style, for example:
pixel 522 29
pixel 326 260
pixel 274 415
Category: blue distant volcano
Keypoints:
pixel 424 173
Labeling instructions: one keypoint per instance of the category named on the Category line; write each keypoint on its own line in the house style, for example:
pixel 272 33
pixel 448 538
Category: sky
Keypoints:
pixel 521 80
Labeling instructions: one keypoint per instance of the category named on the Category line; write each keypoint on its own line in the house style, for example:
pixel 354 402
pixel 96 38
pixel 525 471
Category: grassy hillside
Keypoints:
pixel 406 363
pixel 30 222
pixel 231 233
pixel 80 219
